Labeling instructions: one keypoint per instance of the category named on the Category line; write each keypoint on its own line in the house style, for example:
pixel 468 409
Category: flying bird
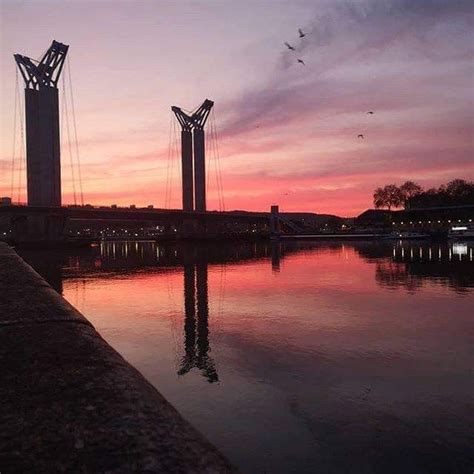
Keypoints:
pixel 370 112
pixel 360 135
pixel 289 46
pixel 300 31
pixel 301 62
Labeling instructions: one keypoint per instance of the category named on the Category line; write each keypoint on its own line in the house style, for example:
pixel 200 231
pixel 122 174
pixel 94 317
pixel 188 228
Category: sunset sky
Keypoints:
pixel 287 132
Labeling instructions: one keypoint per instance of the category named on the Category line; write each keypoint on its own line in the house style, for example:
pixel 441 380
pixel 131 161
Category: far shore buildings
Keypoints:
pixel 430 217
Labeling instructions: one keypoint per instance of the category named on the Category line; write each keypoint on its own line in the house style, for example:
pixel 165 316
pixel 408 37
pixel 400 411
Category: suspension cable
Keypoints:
pixel 22 160
pixel 219 173
pixel 214 139
pixel 64 128
pixel 15 113
pixel 208 153
pixel 179 177
pixel 168 164
pixel 218 169
pixel 78 161
pixel 219 165
pixel 214 160
pixel 171 163
pixel 65 104
pixel 61 118
pixel 174 159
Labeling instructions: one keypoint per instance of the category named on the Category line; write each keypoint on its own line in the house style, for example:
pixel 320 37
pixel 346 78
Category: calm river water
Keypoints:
pixel 296 357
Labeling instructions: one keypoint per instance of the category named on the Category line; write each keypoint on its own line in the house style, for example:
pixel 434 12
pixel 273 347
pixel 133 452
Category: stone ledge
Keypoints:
pixel 70 403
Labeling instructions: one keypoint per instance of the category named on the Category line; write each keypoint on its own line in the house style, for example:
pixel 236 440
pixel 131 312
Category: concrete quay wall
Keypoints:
pixel 70 402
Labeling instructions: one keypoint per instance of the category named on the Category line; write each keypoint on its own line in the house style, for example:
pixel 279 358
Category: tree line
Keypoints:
pixel 411 195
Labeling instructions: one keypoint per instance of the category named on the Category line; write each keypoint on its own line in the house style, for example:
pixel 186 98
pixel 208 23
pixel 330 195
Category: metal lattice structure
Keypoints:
pixel 197 120
pixel 201 115
pixel 45 73
pixel 184 119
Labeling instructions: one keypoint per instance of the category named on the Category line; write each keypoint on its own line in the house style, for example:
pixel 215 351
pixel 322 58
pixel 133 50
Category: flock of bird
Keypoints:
pixel 300 61
pixel 361 135
pixel 291 48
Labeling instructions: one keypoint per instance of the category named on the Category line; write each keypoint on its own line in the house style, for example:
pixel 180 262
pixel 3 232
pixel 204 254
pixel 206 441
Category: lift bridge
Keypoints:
pixel 45 219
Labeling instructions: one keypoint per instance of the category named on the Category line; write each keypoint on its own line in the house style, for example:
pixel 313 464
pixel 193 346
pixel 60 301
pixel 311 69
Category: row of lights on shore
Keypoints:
pixel 449 221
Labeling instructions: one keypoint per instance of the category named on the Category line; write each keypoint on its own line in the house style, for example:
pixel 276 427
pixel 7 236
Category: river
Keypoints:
pixel 297 356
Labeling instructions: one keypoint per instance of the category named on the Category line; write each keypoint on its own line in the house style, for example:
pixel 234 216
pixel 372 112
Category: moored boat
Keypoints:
pixel 461 232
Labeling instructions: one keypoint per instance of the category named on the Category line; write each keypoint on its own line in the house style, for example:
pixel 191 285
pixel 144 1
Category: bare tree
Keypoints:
pixel 408 190
pixel 380 198
pixel 388 196
pixel 394 196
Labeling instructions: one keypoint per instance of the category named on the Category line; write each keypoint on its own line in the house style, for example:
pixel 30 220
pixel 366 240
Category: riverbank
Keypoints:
pixel 71 403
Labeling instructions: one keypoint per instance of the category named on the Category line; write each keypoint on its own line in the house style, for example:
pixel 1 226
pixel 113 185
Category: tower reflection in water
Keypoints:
pixel 401 265
pixel 196 323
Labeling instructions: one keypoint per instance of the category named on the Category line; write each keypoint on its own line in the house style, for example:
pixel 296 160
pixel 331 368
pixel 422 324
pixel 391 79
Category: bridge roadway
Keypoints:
pixel 50 223
pixel 131 214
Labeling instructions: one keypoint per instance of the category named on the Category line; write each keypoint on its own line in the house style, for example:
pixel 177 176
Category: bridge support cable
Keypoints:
pixel 217 161
pixel 218 164
pixel 18 146
pixel 65 116
pixel 175 161
pixel 211 158
pixel 213 164
pixel 173 152
pixel 22 157
pixel 213 170
pixel 199 119
pixel 172 158
pixel 168 164
pixel 76 142
pixel 15 114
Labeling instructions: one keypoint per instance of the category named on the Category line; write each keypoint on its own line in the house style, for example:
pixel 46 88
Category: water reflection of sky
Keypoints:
pixel 296 357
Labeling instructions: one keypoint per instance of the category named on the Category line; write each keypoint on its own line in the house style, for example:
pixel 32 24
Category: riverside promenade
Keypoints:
pixel 71 403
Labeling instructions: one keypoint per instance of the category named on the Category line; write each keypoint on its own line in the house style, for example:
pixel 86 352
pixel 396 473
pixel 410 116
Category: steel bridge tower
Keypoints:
pixel 42 125
pixel 186 158
pixel 193 177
